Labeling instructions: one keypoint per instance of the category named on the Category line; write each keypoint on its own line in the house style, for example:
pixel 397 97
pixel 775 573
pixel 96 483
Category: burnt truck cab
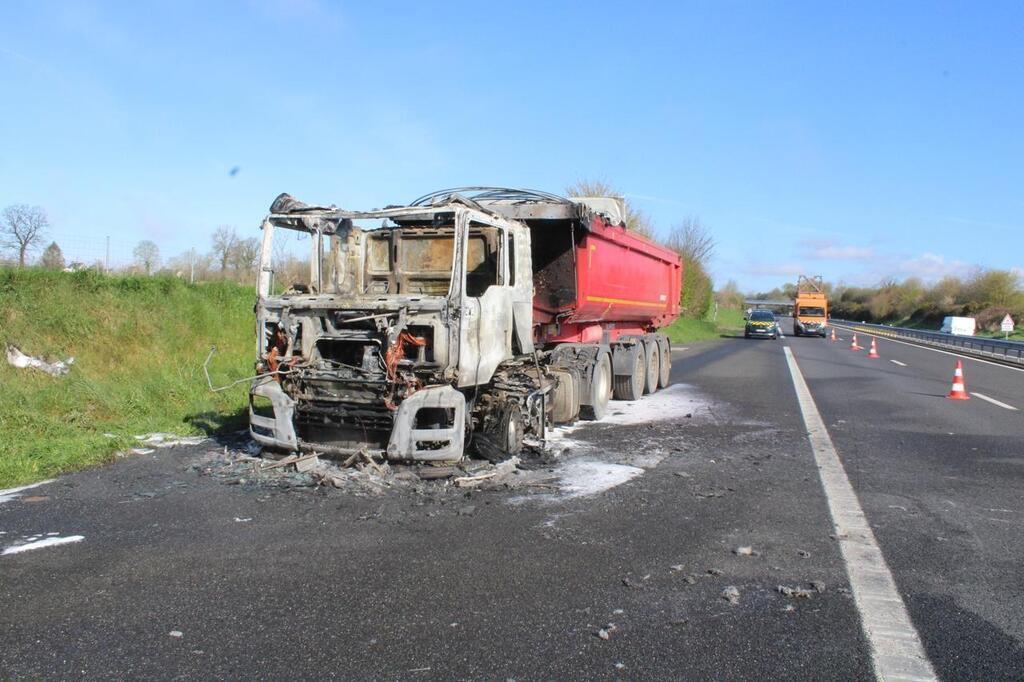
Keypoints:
pixel 399 321
pixel 476 315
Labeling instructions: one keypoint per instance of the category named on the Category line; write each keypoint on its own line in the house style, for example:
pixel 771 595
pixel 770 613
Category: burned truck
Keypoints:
pixel 470 318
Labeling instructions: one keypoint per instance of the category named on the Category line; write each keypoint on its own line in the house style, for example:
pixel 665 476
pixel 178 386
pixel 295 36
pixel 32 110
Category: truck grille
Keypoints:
pixel 344 424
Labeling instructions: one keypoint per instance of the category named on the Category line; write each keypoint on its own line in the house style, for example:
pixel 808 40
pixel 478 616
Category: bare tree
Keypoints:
pixel 52 258
pixel 636 220
pixel 22 228
pixel 191 265
pixel 224 242
pixel 729 295
pixel 147 255
pixel 692 240
pixel 244 255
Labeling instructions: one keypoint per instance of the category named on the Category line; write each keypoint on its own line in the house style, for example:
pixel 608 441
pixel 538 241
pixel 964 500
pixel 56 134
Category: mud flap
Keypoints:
pixel 624 355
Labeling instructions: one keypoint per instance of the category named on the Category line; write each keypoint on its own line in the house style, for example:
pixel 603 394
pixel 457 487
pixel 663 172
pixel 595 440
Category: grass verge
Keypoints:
pixel 139 344
pixel 690 330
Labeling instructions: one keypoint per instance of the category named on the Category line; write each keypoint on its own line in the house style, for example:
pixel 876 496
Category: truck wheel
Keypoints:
pixel 666 362
pixel 653 366
pixel 631 386
pixel 600 389
pixel 504 436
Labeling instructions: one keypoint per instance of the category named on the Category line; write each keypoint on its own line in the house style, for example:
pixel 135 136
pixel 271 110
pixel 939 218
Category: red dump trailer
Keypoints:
pixel 623 284
pixel 598 286
pixel 595 281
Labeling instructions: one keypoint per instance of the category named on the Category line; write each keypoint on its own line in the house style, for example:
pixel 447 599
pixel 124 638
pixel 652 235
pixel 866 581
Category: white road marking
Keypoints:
pixel 680 350
pixel 896 649
pixel 994 401
pixel 39 544
pixel 946 352
pixel 9 494
pixel 897 362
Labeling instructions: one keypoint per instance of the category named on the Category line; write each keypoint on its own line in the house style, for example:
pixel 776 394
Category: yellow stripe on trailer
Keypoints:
pixel 623 301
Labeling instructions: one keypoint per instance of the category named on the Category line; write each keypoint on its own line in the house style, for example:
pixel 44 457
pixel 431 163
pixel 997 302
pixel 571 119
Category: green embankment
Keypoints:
pixel 139 344
pixel 729 321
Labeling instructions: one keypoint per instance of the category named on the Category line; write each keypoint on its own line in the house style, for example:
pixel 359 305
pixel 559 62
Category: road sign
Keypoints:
pixel 1007 325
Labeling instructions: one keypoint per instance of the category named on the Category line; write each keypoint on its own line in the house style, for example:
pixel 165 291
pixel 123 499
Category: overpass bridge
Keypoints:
pixel 780 306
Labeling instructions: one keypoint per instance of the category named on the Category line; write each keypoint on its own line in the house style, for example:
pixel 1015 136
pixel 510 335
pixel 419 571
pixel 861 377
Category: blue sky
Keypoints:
pixel 853 140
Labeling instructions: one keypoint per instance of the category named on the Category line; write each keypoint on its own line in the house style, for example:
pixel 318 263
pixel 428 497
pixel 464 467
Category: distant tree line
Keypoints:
pixel 23 231
pixel 986 295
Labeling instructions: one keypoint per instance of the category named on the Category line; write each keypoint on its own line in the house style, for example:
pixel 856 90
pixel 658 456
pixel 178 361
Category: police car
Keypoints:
pixel 761 324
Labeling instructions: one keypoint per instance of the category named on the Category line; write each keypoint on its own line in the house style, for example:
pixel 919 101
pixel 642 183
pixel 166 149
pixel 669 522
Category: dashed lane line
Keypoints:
pixel 897 362
pixel 896 649
pixel 946 352
pixel 994 401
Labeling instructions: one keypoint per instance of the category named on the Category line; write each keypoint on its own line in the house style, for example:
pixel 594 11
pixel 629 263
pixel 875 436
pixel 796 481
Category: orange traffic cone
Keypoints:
pixel 958 392
pixel 833 337
pixel 853 344
pixel 873 353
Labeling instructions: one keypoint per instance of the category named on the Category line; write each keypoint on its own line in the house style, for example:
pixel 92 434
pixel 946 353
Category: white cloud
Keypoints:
pixel 772 269
pixel 931 266
pixel 830 250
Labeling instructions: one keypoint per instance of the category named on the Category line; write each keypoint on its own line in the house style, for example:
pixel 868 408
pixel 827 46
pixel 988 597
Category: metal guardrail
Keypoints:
pixel 1010 352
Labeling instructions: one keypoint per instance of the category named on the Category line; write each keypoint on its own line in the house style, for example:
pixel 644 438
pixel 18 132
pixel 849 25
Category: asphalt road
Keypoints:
pixel 507 584
pixel 942 482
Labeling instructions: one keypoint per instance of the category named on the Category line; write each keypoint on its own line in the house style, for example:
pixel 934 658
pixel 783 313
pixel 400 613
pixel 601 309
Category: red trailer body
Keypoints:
pixel 623 284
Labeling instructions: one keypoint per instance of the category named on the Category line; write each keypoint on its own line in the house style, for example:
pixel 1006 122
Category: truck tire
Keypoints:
pixel 504 436
pixel 600 389
pixel 631 386
pixel 653 365
pixel 666 362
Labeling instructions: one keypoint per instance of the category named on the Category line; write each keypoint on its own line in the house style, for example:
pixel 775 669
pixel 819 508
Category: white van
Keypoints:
pixel 958 326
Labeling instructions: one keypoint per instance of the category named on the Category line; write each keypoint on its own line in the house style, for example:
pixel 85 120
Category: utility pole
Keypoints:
pixel 106 260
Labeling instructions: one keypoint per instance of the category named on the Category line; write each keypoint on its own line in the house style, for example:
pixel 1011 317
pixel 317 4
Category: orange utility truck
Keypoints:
pixel 810 309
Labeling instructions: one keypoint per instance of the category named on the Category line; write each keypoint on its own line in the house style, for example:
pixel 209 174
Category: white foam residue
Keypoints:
pixel 10 493
pixel 168 440
pixel 39 544
pixel 558 441
pixel 672 402
pixel 580 478
pixel 648 460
